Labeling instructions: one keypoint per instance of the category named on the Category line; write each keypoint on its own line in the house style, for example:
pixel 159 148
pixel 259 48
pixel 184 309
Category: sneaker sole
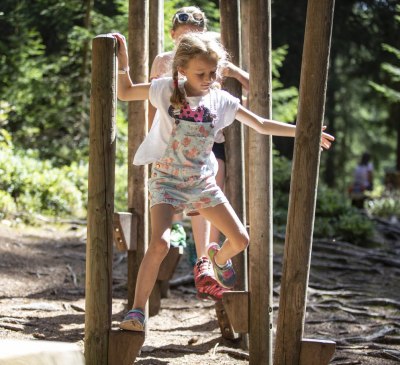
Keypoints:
pixel 131 325
pixel 205 296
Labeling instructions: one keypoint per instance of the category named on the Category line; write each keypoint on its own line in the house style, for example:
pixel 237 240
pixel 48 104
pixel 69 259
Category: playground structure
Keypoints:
pixel 104 345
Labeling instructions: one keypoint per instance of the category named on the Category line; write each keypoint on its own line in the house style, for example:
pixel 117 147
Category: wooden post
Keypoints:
pixel 100 201
pixel 234 146
pixel 137 130
pixel 156 24
pixel 299 231
pixel 260 189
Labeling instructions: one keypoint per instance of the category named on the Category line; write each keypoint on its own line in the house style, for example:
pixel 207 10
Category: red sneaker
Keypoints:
pixel 206 285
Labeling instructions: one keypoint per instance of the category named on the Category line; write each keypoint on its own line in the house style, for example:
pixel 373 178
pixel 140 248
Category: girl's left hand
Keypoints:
pixel 122 51
pixel 326 139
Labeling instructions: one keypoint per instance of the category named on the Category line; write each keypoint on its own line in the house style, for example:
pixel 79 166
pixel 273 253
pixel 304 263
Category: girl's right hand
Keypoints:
pixel 122 51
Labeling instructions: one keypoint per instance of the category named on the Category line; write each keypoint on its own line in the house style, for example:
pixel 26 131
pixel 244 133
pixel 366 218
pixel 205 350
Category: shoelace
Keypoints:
pixel 204 267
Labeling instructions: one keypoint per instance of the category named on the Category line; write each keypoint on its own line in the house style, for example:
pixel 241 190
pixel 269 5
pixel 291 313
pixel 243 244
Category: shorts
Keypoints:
pixel 219 151
pixel 185 193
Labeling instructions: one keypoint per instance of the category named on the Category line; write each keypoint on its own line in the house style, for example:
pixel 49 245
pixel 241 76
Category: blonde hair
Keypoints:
pixel 193 45
pixel 190 10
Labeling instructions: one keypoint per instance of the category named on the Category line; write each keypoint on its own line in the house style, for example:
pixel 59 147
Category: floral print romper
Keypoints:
pixel 185 176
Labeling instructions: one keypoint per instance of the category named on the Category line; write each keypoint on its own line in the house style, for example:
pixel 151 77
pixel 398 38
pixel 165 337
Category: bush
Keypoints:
pixel 37 187
pixel 334 215
pixel 387 206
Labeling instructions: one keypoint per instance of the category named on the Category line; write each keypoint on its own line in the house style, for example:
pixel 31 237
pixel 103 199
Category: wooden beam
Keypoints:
pixel 236 304
pixel 168 266
pixel 99 248
pixel 306 158
pixel 316 352
pixel 225 325
pixel 125 231
pixel 234 146
pixel 124 346
pixel 260 187
pixel 138 25
pixel 156 24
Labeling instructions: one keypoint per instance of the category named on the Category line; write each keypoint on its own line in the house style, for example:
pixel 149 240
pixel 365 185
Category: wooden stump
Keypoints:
pixel 124 346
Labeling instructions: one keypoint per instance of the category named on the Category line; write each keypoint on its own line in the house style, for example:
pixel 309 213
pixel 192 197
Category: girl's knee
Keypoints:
pixel 159 247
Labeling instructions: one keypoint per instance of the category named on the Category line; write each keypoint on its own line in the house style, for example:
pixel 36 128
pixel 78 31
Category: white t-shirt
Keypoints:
pixel 162 67
pixel 153 147
pixel 361 174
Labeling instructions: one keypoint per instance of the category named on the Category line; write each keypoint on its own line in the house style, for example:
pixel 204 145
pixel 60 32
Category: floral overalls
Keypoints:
pixel 185 176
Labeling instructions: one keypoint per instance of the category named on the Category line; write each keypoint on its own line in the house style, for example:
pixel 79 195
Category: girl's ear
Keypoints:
pixel 181 70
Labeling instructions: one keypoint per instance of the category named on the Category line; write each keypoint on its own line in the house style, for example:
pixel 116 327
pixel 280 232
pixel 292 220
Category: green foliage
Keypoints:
pixel 29 185
pixel 334 216
pixel 387 206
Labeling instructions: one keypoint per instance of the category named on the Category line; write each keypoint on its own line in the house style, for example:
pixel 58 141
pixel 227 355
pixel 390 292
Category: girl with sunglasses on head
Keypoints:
pixel 185 20
pixel 193 111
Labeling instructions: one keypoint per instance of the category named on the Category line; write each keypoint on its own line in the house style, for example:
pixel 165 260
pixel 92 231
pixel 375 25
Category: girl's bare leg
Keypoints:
pixel 201 234
pixel 215 234
pixel 161 220
pixel 224 218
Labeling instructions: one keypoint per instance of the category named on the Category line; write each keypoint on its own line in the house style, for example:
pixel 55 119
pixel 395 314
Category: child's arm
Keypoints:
pixel 274 128
pixel 231 70
pixel 127 91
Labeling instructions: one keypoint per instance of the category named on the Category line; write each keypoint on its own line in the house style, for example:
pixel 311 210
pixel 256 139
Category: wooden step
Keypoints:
pixel 124 346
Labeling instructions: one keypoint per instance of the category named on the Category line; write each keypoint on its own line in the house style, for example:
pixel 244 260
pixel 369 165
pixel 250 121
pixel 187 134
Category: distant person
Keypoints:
pixel 362 180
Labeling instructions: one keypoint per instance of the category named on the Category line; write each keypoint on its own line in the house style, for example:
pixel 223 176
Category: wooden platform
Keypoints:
pixel 32 352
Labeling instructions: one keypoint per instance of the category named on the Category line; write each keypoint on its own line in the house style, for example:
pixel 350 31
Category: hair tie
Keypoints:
pixel 176 83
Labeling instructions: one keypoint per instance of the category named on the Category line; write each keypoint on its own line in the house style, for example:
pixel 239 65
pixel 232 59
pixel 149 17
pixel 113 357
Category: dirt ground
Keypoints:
pixel 353 299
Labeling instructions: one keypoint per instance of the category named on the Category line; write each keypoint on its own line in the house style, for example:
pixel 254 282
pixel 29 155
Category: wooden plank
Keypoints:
pixel 236 304
pixel 156 24
pixel 138 25
pixel 155 299
pixel 99 248
pixel 260 187
pixel 125 231
pixel 225 325
pixel 124 346
pixel 316 352
pixel 305 169
pixel 234 146
pixel 32 352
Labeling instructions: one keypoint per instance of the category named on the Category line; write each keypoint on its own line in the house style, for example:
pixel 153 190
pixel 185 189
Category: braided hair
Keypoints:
pixel 193 45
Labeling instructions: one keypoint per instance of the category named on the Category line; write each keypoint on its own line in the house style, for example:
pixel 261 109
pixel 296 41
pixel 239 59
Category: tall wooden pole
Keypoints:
pixel 234 146
pixel 260 189
pixel 100 201
pixel 298 244
pixel 156 24
pixel 137 129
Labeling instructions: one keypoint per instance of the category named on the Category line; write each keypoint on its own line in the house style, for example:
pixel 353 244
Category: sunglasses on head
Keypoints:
pixel 186 17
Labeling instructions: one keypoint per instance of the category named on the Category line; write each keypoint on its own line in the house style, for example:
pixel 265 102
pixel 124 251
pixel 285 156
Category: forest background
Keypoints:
pixel 45 62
